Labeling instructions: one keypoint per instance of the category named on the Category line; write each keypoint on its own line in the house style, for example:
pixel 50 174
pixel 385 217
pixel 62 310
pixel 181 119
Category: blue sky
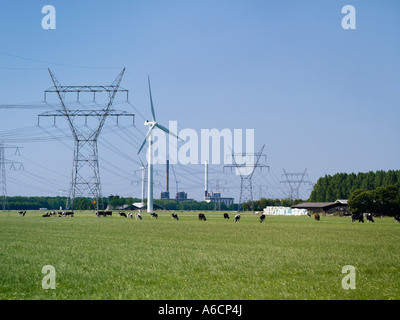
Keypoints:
pixel 318 96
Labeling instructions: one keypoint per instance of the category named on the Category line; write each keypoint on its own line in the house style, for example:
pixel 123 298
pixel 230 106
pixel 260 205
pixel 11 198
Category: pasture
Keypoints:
pixel 119 258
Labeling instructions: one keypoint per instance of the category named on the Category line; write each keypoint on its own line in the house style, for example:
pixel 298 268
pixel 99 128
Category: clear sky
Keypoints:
pixel 317 96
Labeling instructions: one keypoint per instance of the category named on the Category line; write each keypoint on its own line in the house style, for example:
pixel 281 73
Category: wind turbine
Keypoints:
pixel 149 137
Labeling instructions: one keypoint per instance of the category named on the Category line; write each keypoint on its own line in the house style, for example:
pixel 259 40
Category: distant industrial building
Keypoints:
pixel 216 197
pixel 181 196
pixel 165 195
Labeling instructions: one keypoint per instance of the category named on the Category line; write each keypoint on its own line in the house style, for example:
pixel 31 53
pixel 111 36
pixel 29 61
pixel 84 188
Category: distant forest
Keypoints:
pixel 327 189
pixel 341 185
pixel 116 202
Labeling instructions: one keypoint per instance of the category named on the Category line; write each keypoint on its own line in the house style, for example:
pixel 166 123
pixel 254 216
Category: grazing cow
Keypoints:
pixel 154 215
pixel 202 216
pixel 237 217
pixel 262 218
pixel 130 215
pixel 397 218
pixel 103 213
pixel 226 216
pixel 122 214
pixel 68 213
pixel 138 216
pixel 174 216
pixel 46 215
pixel 316 217
pixel 369 217
pixel 22 213
pixel 357 217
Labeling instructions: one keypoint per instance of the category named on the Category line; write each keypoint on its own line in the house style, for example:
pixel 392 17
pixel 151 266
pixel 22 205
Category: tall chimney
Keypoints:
pixel 205 179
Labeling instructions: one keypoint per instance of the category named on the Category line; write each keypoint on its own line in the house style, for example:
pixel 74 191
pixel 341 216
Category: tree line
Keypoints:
pixel 342 185
pixel 116 203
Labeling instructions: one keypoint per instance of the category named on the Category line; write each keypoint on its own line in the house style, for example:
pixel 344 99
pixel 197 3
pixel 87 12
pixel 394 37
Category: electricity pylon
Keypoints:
pixel 85 177
pixel 246 172
pixel 14 165
pixel 294 180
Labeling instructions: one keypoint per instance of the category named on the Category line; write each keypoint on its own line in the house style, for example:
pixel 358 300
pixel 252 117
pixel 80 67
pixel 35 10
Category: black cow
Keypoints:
pixel 103 213
pixel 46 215
pixel 237 217
pixel 122 214
pixel 369 217
pixel 357 217
pixel 202 216
pixel 22 213
pixel 154 215
pixel 316 217
pixel 262 218
pixel 397 218
pixel 174 216
pixel 226 216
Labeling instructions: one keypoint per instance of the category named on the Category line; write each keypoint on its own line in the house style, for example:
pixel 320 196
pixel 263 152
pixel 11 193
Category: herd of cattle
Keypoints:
pixel 202 217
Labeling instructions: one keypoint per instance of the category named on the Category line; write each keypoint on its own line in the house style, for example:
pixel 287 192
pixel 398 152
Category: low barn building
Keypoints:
pixel 324 207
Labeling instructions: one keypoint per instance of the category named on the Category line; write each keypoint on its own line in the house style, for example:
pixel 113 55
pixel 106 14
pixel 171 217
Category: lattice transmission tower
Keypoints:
pixel 4 165
pixel 294 180
pixel 246 171
pixel 85 177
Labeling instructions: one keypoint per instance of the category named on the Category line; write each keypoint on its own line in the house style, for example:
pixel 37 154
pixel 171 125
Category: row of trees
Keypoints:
pixel 342 185
pixel 382 200
pixel 114 202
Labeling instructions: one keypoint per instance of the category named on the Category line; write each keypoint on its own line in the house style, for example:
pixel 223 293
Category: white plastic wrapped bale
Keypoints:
pixel 284 211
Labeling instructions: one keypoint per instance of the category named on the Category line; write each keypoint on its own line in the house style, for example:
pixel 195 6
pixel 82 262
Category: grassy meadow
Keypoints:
pixel 120 258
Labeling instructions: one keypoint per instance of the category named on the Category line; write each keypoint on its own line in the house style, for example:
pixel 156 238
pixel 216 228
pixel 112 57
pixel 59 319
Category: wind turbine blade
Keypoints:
pixel 151 101
pixel 141 147
pixel 167 131
pixel 145 139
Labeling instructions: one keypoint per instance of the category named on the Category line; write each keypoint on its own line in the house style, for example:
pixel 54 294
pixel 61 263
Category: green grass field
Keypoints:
pixel 120 258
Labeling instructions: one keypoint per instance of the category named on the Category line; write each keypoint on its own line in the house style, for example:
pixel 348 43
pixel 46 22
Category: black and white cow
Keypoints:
pixel 226 216
pixel 397 218
pixel 237 217
pixel 138 216
pixel 122 214
pixel 22 213
pixel 154 215
pixel 130 215
pixel 202 217
pixel 174 216
pixel 262 218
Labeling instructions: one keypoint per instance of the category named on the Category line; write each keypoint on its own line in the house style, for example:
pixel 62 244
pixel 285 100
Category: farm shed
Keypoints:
pixel 323 207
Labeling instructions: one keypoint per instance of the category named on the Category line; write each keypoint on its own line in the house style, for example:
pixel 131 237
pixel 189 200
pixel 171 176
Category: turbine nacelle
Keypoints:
pixel 150 123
